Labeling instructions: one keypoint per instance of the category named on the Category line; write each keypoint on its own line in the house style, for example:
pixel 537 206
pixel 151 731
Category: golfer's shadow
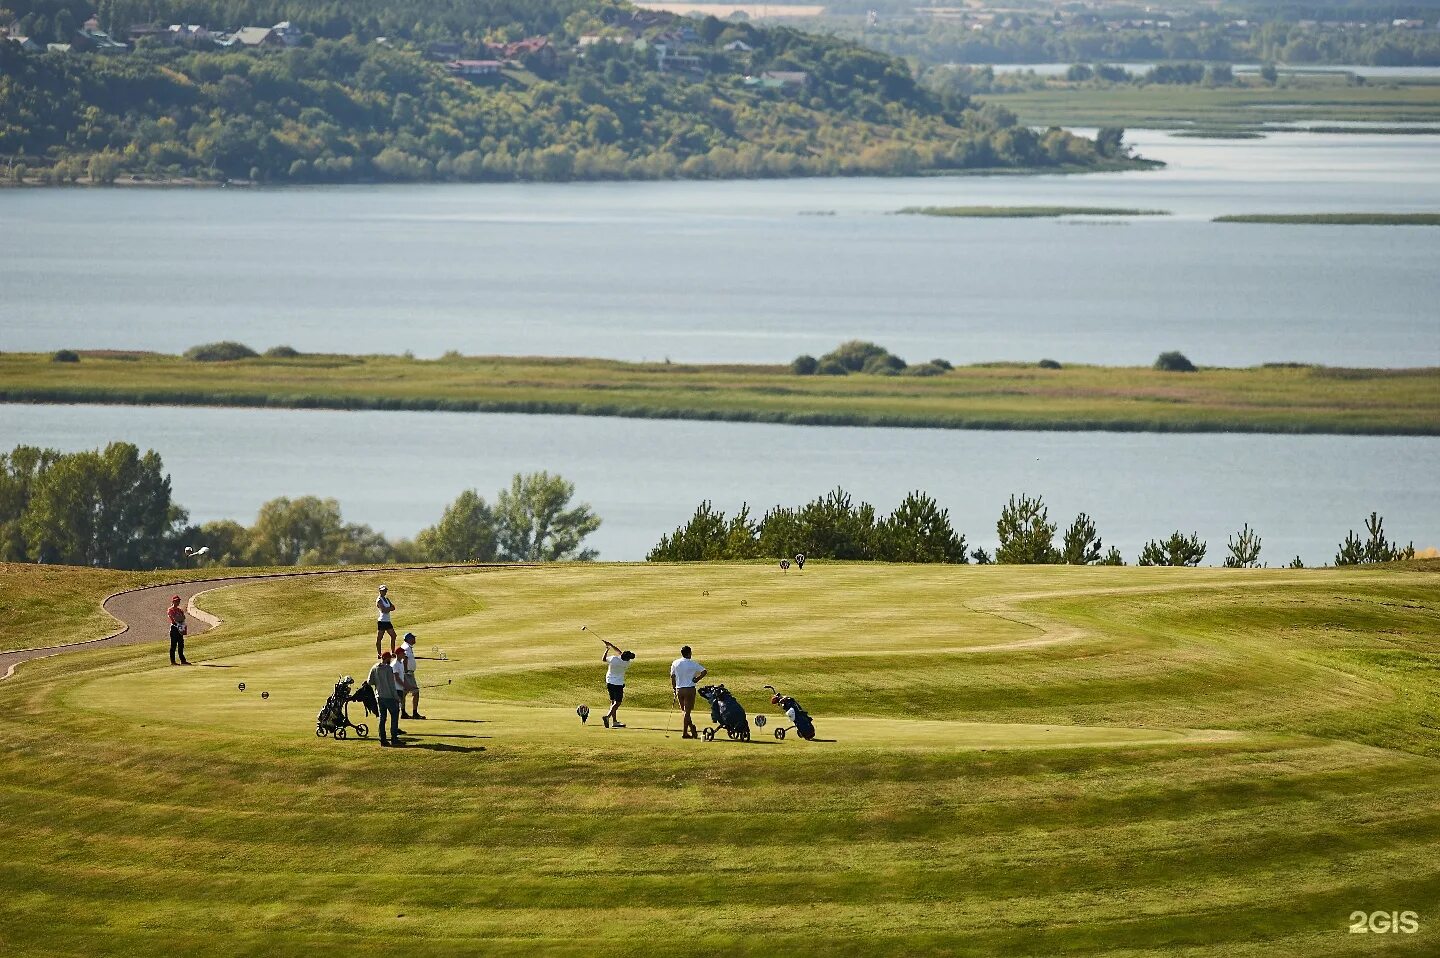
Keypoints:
pixel 444 735
pixel 444 747
pixel 215 665
pixel 466 721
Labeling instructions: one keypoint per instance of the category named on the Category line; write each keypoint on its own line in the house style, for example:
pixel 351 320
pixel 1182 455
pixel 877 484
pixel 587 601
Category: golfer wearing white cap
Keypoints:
pixel 383 608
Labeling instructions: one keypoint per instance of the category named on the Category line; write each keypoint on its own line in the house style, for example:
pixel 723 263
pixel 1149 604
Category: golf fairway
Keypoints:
pixel 1010 760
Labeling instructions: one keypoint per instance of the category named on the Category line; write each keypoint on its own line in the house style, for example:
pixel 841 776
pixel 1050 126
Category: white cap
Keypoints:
pixel 384 588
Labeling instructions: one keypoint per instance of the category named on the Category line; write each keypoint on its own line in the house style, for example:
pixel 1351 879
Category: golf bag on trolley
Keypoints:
pixel 799 718
pixel 334 717
pixel 726 714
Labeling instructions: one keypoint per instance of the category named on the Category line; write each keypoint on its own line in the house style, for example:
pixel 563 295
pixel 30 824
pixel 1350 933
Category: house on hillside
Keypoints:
pixel 190 33
pixel 790 79
pixel 532 49
pixel 96 41
pixel 289 34
pixel 57 48
pixel 256 38
pixel 738 46
pixel 473 68
pixel 24 43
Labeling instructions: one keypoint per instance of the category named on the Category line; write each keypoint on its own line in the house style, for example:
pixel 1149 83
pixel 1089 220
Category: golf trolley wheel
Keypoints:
pixel 340 732
pixel 731 734
pixel 362 730
pixel 320 731
pixel 779 733
pixel 709 734
pixel 745 735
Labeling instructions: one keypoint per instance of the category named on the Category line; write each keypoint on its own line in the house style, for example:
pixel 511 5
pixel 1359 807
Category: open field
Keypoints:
pixel 1013 760
pixel 1283 399
pixel 1162 107
pixel 1026 212
pixel 1336 219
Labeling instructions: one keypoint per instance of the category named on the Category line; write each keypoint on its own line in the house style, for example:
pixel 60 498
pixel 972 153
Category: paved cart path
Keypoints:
pixel 141 612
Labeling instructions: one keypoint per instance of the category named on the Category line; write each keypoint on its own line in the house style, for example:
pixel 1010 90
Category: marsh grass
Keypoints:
pixel 987 396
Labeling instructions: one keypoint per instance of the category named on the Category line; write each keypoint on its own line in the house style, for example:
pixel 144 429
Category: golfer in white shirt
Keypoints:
pixel 615 667
pixel 684 673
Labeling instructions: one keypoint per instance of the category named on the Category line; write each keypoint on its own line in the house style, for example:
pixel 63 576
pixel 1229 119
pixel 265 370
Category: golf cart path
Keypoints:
pixel 141 612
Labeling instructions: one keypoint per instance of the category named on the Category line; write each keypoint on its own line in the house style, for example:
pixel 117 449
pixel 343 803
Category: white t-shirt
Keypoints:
pixel 615 674
pixel 397 665
pixel 384 604
pixel 684 670
pixel 406 652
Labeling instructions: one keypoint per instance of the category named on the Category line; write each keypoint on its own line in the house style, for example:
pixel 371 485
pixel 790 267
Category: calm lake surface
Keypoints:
pixel 396 471
pixel 738 272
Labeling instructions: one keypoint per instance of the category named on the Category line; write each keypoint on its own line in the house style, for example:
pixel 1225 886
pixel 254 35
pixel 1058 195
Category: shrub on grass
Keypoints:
pixel 1178 550
pixel 886 365
pixel 804 365
pixel 942 363
pixel 1049 364
pixel 857 354
pixel 926 369
pixel 832 367
pixel 282 352
pixel 222 352
pixel 65 356
pixel 1174 362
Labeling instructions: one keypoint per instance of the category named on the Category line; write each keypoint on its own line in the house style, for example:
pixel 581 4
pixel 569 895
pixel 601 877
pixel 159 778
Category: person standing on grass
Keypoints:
pixel 387 696
pixel 178 628
pixel 615 680
pixel 397 666
pixel 383 608
pixel 684 673
pixel 407 653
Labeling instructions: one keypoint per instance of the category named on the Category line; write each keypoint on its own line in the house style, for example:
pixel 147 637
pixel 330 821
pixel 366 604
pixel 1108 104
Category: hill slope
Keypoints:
pixel 644 96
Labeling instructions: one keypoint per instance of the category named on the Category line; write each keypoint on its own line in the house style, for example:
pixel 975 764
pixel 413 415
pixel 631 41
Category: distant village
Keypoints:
pixel 673 49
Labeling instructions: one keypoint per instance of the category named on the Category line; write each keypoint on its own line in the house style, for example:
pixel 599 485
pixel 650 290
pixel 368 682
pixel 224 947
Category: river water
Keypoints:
pixel 743 271
pixel 397 470
pixel 738 271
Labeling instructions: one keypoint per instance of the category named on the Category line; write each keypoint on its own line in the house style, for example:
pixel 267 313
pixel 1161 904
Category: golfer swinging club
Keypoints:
pixel 615 680
pixel 383 607
pixel 684 673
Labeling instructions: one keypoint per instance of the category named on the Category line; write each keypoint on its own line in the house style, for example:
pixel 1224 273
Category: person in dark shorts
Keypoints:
pixel 616 664
pixel 178 629
pixel 383 608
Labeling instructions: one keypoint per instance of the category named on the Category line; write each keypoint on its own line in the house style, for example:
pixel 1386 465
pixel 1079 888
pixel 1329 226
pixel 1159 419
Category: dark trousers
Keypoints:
pixel 390 707
pixel 177 644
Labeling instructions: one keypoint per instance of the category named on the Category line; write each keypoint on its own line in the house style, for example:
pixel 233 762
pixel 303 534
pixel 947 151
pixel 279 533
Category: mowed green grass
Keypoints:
pixel 1027 761
pixel 992 396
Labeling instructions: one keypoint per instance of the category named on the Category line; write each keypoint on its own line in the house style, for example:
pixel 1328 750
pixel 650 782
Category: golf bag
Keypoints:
pixel 799 718
pixel 334 717
pixel 726 714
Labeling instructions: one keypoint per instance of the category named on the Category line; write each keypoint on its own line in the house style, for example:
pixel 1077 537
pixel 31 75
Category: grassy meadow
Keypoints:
pixel 1282 399
pixel 1025 761
pixel 1300 98
pixel 1336 219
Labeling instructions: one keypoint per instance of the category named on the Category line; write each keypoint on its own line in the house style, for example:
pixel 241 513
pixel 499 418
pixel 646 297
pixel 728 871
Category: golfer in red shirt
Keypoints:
pixel 177 631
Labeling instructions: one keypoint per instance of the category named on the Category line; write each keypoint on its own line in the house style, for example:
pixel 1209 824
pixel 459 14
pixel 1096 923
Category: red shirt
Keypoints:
pixel 177 615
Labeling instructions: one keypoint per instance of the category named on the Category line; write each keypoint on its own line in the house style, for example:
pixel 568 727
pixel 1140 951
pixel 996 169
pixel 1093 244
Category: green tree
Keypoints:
pixel 709 536
pixel 1178 550
pixel 535 522
pixel 918 531
pixel 1080 545
pixel 1174 362
pixel 289 530
pixel 1376 547
pixel 1027 537
pixel 227 540
pixel 20 469
pixel 1244 549
pixel 835 527
pixel 109 508
pixel 466 532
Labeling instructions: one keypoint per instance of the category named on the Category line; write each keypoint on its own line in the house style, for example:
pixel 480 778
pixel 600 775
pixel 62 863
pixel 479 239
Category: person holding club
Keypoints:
pixel 616 666
pixel 178 628
pixel 383 608
pixel 684 673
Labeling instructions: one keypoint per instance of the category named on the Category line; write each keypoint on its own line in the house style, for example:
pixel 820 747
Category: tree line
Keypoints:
pixel 113 507
pixel 836 526
pixel 346 109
